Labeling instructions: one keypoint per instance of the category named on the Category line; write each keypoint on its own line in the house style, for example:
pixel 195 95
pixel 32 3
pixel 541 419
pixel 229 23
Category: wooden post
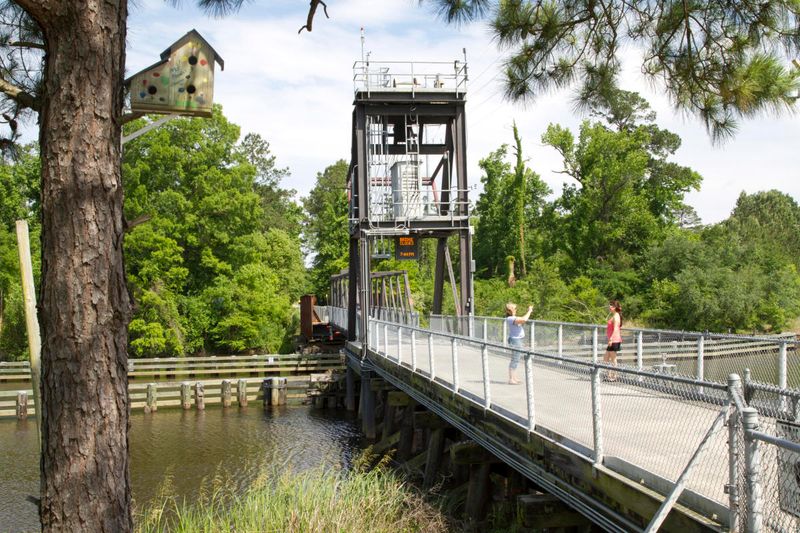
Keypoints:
pixel 350 391
pixel 152 399
pixel 22 405
pixel 368 399
pixel 274 391
pixel 199 396
pixel 241 392
pixel 31 320
pixel 434 457
pixel 388 416
pixel 405 445
pixel 226 393
pixel 478 491
pixel 186 395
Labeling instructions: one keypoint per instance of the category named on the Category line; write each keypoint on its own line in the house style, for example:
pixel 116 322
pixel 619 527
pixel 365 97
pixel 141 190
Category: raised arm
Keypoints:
pixel 524 318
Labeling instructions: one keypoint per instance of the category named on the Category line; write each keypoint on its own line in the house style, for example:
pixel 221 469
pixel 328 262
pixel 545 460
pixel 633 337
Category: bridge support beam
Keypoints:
pixel 350 389
pixel 368 406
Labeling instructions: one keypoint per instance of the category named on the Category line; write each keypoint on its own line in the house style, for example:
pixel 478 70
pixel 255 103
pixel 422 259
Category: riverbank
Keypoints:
pixel 361 499
pixel 192 449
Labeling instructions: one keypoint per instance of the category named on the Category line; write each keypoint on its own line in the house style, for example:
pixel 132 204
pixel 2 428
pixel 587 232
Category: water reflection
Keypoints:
pixel 186 448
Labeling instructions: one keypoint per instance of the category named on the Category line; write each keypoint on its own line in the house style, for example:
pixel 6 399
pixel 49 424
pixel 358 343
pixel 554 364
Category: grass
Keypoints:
pixel 368 500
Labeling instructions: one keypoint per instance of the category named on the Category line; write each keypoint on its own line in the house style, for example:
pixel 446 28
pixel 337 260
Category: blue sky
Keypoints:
pixel 296 91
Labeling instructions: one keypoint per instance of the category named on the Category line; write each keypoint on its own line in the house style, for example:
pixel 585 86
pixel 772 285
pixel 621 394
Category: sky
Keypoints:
pixel 296 91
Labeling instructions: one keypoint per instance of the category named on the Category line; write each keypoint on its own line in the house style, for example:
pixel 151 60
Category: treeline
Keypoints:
pixel 215 246
pixel 212 247
pixel 620 229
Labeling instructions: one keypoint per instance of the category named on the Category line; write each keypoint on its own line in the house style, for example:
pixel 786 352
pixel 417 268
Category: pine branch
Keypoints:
pixel 19 95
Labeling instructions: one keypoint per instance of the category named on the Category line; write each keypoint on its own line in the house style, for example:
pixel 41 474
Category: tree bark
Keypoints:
pixel 84 302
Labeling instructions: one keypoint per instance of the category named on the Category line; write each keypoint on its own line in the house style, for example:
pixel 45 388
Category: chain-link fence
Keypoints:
pixel 705 356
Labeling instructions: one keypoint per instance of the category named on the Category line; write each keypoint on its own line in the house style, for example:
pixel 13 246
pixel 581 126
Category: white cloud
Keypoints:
pixel 296 91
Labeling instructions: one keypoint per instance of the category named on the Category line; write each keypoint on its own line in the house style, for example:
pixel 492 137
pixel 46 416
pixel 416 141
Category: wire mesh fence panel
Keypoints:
pixel 779 478
pixel 546 338
pixel 657 424
pixel 507 382
pixel 563 400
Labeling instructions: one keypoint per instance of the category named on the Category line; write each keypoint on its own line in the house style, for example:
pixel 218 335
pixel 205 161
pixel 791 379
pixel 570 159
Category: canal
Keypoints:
pixel 185 451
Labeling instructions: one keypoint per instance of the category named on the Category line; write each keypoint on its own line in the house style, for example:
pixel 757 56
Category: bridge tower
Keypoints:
pixel 408 173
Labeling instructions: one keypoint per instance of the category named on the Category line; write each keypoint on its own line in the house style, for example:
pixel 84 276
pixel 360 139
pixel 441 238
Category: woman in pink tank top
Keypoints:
pixel 614 336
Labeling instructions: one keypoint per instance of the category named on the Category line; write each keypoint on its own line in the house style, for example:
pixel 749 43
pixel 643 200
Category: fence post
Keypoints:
pixel 594 345
pixel 199 396
pixel 152 399
pixel 186 395
pixel 225 393
pixel 377 337
pixel 700 361
pixel 430 356
pixel 597 426
pixel 399 345
pixel 241 392
pixel 485 329
pixel 561 342
pixel 386 340
pixel 640 353
pixel 529 392
pixel 487 402
pixel 782 375
pixel 22 405
pixel 752 457
pixel 454 354
pixel 734 388
pixel 533 335
pixel 505 332
pixel 413 350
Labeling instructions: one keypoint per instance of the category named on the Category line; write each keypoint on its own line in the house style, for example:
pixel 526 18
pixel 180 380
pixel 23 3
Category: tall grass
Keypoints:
pixel 368 500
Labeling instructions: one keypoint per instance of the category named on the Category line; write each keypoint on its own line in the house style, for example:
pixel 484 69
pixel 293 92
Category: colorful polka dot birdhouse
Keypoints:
pixel 182 82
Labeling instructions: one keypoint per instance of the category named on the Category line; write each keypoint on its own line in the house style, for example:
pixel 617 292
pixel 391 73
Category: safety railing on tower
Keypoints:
pixel 410 76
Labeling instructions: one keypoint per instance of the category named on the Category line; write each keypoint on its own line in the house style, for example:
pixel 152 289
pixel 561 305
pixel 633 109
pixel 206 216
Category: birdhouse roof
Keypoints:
pixel 166 53
pixel 193 34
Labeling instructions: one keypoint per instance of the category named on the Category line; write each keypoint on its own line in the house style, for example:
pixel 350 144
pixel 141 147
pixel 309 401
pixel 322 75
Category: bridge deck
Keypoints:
pixel 634 419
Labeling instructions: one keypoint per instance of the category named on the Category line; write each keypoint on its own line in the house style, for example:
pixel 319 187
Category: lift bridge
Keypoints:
pixel 697 432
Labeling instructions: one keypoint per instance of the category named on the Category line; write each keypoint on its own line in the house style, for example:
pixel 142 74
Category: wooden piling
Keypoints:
pixel 226 393
pixel 368 399
pixel 331 401
pixel 241 392
pixel 478 491
pixel 199 396
pixel 406 444
pixel 22 405
pixel 388 417
pixel 434 457
pixel 274 391
pixel 186 395
pixel 152 399
pixel 350 389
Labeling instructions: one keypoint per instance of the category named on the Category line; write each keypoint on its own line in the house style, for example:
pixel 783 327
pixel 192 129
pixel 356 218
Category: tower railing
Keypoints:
pixel 410 76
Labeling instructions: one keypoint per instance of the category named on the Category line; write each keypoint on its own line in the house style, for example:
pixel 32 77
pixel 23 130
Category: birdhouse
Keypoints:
pixel 181 83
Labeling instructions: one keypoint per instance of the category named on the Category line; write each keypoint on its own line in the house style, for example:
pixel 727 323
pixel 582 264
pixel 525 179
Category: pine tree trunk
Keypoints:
pixel 85 306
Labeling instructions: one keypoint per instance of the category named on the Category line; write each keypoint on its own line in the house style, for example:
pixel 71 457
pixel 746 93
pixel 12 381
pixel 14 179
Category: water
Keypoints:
pixel 187 448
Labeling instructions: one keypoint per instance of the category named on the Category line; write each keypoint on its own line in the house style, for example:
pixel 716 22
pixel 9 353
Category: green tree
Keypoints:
pixel 626 191
pixel 326 227
pixel 19 190
pixel 203 195
pixel 84 303
pixel 718 59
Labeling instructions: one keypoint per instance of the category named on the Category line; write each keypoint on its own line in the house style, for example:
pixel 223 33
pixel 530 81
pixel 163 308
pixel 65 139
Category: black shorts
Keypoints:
pixel 614 347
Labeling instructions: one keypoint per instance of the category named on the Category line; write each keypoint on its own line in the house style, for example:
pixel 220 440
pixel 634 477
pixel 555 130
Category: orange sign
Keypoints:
pixel 406 248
